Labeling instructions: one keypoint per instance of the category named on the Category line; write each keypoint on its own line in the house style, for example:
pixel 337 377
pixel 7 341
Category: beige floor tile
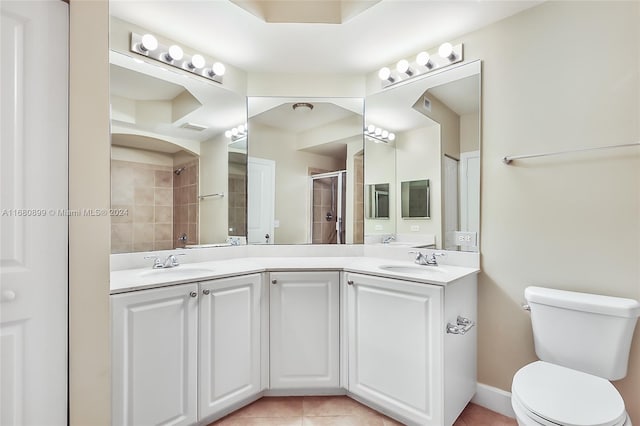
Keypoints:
pixel 272 407
pixel 259 421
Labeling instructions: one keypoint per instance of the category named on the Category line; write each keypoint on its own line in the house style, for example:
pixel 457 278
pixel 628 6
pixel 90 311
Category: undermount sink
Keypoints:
pixel 411 269
pixel 177 271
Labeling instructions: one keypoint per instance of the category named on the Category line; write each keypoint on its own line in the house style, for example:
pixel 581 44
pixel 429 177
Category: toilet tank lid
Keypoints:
pixel 586 302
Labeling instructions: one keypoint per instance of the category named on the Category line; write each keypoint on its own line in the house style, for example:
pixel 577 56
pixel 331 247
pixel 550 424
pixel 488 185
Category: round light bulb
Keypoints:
pixel 385 134
pixel 378 131
pixel 384 73
pixel 175 53
pixel 197 61
pixel 218 69
pixel 234 131
pixel 371 128
pixel 392 136
pixel 149 43
pixel 228 133
pixel 241 128
pixel 422 59
pixel 402 66
pixel 446 50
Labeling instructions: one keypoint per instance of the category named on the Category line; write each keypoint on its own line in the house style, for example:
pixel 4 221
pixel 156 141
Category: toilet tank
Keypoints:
pixel 586 332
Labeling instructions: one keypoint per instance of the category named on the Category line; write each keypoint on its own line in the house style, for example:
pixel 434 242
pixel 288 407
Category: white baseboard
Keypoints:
pixel 494 399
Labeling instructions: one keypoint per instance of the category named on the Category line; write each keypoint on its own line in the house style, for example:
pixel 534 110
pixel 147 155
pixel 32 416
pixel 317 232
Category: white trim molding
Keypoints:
pixel 494 399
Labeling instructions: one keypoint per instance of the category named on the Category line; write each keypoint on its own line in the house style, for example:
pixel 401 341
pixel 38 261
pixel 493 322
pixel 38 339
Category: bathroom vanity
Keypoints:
pixel 193 343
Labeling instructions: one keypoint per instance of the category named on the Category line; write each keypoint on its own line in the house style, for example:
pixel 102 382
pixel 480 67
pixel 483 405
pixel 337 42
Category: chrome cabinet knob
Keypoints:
pixel 274 281
pixel 350 282
pixel 193 294
pixel 206 291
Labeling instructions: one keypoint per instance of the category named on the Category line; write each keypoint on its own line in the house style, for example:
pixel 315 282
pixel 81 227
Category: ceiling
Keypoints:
pixel 377 35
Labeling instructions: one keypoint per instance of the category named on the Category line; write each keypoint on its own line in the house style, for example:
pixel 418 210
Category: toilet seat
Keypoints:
pixel 554 395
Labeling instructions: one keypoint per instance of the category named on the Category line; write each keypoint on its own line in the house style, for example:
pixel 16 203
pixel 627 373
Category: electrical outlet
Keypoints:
pixel 415 228
pixel 378 227
pixel 466 238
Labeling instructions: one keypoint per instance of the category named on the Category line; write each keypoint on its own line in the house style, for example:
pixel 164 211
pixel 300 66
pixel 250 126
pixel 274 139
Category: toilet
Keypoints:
pixel 583 342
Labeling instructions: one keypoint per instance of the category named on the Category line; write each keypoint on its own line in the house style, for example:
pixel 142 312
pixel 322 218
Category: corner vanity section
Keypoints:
pixel 193 343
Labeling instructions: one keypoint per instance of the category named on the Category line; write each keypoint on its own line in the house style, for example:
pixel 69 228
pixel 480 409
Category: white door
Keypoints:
pixel 304 330
pixel 229 342
pixel 33 197
pixel 154 355
pixel 470 195
pixel 261 187
pixel 395 346
pixel 450 202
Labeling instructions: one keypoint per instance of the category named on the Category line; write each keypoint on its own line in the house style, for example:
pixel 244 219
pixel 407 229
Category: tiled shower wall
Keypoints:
pixel 185 204
pixel 237 204
pixel 145 191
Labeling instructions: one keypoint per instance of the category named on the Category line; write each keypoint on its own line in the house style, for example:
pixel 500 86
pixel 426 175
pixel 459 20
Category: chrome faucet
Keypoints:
pixel 426 259
pixel 388 239
pixel 170 262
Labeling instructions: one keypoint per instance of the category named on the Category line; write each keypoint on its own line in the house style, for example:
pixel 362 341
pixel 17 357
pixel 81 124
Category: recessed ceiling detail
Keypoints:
pixel 305 11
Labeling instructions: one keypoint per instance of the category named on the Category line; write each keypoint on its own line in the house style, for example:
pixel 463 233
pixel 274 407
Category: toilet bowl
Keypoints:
pixel 552 395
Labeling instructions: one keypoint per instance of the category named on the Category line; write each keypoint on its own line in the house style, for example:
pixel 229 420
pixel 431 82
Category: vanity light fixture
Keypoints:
pixel 237 133
pixel 147 45
pixel 302 106
pixel 378 134
pixel 446 51
pixel 216 69
pixel 403 67
pixel 424 62
pixel 197 62
pixel 175 53
pixel 385 75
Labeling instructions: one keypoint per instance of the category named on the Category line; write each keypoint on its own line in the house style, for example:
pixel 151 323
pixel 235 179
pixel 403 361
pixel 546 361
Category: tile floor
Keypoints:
pixel 336 411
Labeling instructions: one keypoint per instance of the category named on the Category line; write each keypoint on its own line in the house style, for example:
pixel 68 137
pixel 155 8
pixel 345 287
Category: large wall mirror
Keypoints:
pixel 181 182
pixel 305 171
pixel 435 157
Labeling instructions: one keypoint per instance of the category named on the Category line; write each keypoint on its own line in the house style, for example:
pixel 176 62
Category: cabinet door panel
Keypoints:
pixel 229 342
pixel 154 353
pixel 395 345
pixel 304 330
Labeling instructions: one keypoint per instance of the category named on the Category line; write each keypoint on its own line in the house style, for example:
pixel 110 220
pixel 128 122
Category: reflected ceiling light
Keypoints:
pixel 302 106
pixel 147 45
pixel 237 133
pixel 446 51
pixel 385 75
pixel 378 134
pixel 175 53
pixel 425 62
pixel 403 67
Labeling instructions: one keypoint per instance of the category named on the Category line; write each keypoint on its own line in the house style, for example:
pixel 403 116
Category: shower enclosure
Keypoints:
pixel 328 207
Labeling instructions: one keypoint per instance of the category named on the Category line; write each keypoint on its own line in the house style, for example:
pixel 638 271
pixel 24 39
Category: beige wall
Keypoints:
pixel 214 172
pixel 418 154
pixel 89 145
pixel 560 76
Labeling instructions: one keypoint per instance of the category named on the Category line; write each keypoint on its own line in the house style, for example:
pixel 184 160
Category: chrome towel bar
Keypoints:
pixel 510 158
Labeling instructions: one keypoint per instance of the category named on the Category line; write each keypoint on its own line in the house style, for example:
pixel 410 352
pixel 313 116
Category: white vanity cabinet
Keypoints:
pixel 154 356
pixel 304 330
pixel 229 354
pixel 186 353
pixel 399 355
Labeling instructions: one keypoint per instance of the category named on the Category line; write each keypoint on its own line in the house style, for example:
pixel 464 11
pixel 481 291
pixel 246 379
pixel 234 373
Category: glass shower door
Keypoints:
pixel 328 204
